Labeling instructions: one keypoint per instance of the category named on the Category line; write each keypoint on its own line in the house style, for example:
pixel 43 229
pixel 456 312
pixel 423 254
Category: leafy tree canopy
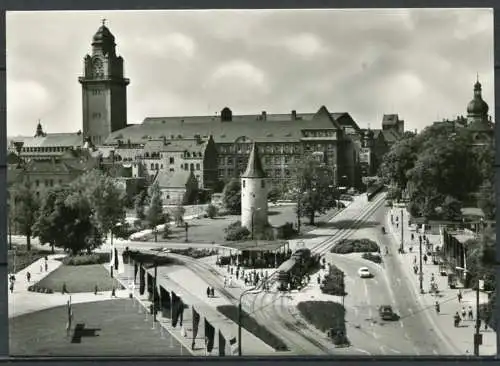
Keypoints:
pixel 231 196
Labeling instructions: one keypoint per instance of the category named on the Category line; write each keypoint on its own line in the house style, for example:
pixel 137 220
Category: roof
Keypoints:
pixel 390 119
pixel 254 166
pixel 277 127
pixel 256 245
pixel 52 140
pixel 391 136
pixel 175 179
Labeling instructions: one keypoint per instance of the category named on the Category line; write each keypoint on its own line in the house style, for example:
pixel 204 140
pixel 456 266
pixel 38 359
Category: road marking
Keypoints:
pixel 366 292
pixel 362 351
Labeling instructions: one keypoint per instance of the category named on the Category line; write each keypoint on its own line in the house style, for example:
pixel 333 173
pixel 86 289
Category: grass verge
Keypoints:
pixel 79 279
pixel 251 325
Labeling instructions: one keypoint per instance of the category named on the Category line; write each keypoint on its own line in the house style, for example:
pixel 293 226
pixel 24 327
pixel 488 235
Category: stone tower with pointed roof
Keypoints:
pixel 104 89
pixel 254 188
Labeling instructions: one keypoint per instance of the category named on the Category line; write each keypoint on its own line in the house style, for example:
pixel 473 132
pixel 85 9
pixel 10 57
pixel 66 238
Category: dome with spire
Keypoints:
pixel 477 106
pixel 103 34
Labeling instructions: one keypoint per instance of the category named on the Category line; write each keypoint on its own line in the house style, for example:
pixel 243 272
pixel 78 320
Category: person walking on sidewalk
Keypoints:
pixel 471 313
pixel 459 296
pixel 425 258
pixel 208 291
pixel 28 276
pixel 464 313
pixel 11 287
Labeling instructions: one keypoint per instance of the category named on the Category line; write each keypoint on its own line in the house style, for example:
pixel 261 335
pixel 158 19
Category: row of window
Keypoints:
pixel 271 148
pixel 318 133
pixel 45 149
pixel 185 166
pixel 271 173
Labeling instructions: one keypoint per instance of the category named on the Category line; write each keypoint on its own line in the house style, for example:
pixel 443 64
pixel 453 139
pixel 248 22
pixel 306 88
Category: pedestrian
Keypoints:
pixel 459 296
pixel 411 249
pixel 471 313
pixel 28 276
pixel 420 239
pixel 225 281
pixel 113 292
pixel 212 292
pixel 96 290
pixel 425 259
pixel 11 287
pixel 208 291
pixel 486 320
pixel 412 236
pixel 46 266
pixel 41 267
pixel 414 259
pixel 464 313
pixel 397 225
pixel 319 279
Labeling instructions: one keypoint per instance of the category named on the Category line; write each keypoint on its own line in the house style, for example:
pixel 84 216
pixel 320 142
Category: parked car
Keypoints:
pixel 386 312
pixel 364 272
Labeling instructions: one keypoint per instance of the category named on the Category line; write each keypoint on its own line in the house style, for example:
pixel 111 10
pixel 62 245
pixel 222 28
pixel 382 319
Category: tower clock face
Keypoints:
pixel 98 67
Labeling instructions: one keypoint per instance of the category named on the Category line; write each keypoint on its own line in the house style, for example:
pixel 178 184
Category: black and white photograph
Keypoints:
pixel 206 183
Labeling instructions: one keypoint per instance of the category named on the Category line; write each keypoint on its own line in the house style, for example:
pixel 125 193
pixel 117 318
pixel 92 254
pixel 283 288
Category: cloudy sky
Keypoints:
pixel 421 64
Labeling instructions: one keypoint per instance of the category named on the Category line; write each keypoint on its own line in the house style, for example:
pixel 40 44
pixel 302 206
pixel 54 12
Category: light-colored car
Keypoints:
pixel 364 272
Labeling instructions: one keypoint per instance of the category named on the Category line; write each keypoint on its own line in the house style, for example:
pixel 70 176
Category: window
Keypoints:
pixel 47 182
pixel 37 194
pixel 192 167
pixel 287 173
pixel 161 166
pixel 197 166
pixel 262 184
pixel 152 166
pixel 188 155
pixel 96 115
pixel 52 182
pixel 221 172
pixel 168 196
pixel 268 160
pixel 171 160
pixel 186 166
pixel 171 169
pixel 244 181
pixel 230 160
pixel 277 172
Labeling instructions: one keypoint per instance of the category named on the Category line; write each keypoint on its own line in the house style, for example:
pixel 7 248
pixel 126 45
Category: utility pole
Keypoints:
pixel 402 234
pixel 478 339
pixel 421 274
pixel 240 315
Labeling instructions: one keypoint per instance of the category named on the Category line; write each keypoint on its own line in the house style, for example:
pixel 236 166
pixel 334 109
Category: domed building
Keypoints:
pixel 478 120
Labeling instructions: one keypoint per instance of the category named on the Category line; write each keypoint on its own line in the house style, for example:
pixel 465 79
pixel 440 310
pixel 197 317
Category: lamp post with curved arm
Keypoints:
pixel 240 313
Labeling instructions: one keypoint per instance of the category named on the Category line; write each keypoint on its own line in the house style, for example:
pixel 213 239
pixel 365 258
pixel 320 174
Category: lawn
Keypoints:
pixel 79 279
pixel 249 323
pixel 324 315
pixel 110 328
pixel 19 258
pixel 206 230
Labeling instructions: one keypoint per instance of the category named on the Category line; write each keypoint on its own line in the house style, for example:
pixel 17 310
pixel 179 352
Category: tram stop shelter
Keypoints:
pixel 251 252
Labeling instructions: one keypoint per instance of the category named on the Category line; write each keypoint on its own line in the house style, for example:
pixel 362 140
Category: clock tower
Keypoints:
pixel 104 89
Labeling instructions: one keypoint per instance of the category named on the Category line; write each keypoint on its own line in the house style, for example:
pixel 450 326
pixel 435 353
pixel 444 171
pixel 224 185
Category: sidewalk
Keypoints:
pixel 462 337
pixel 193 293
pixel 22 301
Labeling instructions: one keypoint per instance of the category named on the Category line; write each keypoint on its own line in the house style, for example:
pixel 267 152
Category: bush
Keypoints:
pixel 327 316
pixel 334 283
pixel 211 211
pixel 249 324
pixel 372 257
pixel 236 232
pixel 286 231
pixel 86 259
pixel 346 246
pixel 194 253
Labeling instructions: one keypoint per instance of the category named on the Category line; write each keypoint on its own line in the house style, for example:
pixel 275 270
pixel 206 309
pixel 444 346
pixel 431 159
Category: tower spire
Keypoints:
pixel 103 21
pixel 254 167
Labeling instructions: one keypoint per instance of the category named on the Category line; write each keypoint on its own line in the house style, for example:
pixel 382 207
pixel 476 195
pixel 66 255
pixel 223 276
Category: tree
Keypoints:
pixel 274 194
pixel 26 209
pixel 178 214
pixel 106 199
pixel 155 215
pixel 211 211
pixel 139 203
pixel 48 227
pixel 231 196
pixel 452 209
pixel 486 199
pixel 316 192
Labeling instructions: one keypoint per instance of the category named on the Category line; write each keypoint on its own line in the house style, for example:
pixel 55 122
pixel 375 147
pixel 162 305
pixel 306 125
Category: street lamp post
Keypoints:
pixel 402 233
pixel 186 226
pixel 154 293
pixel 421 274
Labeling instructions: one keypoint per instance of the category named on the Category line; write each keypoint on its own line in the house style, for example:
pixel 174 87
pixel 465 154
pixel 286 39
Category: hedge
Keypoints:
pixel 334 283
pixel 327 316
pixel 87 259
pixel 346 246
pixel 372 257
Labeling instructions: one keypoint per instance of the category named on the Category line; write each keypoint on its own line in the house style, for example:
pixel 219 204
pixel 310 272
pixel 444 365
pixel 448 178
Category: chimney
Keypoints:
pixel 264 115
pixel 294 115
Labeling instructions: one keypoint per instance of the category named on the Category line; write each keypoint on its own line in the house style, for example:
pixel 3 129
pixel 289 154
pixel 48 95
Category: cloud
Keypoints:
pixel 239 71
pixel 173 45
pixel 306 45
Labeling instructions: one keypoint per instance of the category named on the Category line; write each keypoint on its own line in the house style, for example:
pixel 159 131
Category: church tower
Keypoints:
pixel 478 120
pixel 104 89
pixel 254 193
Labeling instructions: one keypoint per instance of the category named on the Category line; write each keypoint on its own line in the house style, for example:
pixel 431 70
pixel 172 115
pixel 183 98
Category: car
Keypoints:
pixel 386 312
pixel 364 272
